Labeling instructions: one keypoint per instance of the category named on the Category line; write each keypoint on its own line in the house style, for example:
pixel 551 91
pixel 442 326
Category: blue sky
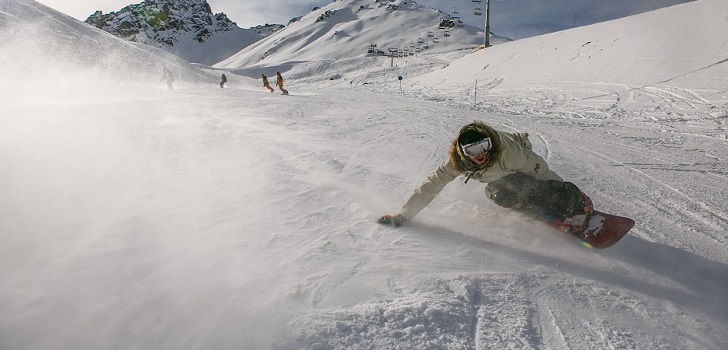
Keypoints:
pixel 509 18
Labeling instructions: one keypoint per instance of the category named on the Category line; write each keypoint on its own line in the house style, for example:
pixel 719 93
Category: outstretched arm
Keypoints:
pixel 424 194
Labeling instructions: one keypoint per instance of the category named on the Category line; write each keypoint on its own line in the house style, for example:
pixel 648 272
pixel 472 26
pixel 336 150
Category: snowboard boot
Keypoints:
pixel 578 219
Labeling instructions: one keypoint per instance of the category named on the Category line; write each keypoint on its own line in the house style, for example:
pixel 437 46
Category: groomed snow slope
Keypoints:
pixel 673 45
pixel 208 218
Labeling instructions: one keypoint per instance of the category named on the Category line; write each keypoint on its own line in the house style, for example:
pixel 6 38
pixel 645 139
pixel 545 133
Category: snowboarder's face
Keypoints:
pixel 478 151
pixel 480 158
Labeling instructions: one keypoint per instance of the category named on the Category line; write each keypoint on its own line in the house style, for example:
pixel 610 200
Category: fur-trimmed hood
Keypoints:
pixel 461 162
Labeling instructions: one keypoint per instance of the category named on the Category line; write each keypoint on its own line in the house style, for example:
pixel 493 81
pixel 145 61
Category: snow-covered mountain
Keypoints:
pixel 187 28
pixel 347 29
pixel 45 51
pixel 208 218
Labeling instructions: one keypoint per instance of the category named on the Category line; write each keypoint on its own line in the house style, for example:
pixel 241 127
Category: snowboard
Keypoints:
pixel 604 230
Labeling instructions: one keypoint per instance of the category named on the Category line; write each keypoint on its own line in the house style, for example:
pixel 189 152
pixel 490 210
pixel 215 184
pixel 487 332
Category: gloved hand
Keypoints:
pixel 397 220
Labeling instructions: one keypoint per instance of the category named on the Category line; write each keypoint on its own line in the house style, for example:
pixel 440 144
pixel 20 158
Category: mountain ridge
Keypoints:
pixel 186 28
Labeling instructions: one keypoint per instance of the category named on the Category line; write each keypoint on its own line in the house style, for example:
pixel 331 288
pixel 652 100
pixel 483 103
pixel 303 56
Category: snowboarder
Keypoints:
pixel 266 84
pixel 169 76
pixel 516 178
pixel 279 82
pixel 223 80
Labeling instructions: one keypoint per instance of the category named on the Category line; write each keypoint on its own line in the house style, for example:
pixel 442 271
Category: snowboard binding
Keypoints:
pixel 578 221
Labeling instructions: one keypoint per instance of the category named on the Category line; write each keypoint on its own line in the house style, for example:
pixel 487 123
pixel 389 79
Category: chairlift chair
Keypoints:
pixel 478 12
pixel 430 34
pixel 456 15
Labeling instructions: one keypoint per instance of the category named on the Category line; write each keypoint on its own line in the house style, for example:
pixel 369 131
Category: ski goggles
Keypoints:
pixel 478 147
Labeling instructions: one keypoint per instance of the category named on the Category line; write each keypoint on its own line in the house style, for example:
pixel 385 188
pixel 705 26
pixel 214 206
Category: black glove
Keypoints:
pixel 397 220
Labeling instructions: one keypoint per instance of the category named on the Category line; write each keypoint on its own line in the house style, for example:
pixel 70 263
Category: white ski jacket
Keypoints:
pixel 512 153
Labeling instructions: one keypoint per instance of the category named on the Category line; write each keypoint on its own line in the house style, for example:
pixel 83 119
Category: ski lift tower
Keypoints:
pixel 487 23
pixel 479 12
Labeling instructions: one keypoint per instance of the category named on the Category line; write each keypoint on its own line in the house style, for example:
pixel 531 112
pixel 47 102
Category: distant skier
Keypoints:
pixel 266 84
pixel 279 82
pixel 223 80
pixel 169 76
pixel 516 178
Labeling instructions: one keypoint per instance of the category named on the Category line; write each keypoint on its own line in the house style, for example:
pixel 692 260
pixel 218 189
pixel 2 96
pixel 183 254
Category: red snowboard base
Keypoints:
pixel 604 230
